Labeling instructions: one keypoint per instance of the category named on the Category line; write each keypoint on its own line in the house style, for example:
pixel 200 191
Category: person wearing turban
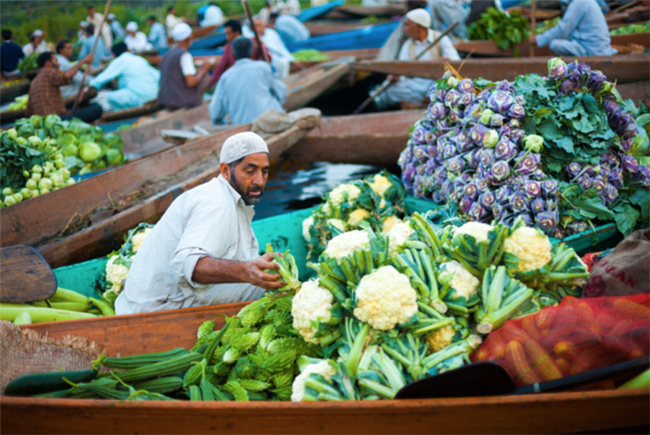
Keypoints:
pixel 417 26
pixel 203 251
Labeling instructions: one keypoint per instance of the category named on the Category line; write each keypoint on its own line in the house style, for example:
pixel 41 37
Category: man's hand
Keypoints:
pixel 257 275
pixel 298 65
pixel 532 39
pixel 392 78
pixel 88 59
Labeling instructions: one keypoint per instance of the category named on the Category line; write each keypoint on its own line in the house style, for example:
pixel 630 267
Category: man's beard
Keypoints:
pixel 246 196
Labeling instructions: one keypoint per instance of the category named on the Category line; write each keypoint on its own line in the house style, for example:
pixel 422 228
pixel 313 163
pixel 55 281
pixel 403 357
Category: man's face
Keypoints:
pixel 91 12
pixel 172 11
pixel 259 26
pixel 38 40
pixel 231 35
pixel 249 177
pixel 150 22
pixel 411 29
pixel 66 51
pixel 130 32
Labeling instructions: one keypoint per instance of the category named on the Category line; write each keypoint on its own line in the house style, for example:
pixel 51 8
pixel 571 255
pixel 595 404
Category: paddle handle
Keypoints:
pixel 586 378
pixel 83 79
pixel 247 10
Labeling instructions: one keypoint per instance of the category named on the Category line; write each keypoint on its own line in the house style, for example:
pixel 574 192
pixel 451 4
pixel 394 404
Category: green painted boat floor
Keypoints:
pixel 284 232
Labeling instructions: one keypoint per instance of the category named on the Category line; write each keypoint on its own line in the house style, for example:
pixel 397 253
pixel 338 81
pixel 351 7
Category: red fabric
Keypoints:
pixel 576 336
pixel 228 60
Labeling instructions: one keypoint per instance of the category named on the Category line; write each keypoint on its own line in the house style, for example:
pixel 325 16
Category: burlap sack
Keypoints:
pixel 625 271
pixel 23 351
pixel 273 122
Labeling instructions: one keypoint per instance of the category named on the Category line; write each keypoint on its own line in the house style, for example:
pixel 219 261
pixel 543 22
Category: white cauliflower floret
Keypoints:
pixel 326 208
pixel 116 274
pixel 397 236
pixel 358 216
pixel 531 247
pixel 478 230
pixel 336 195
pixel 380 184
pixel 310 303
pixel 306 225
pixel 345 244
pixel 385 298
pixel 138 239
pixel 440 339
pixel 338 223
pixel 463 282
pixel 389 223
pixel 322 368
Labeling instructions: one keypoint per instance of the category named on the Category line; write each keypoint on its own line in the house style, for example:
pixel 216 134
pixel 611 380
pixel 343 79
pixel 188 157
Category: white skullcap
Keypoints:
pixel 37 33
pixel 241 145
pixel 132 26
pixel 421 17
pixel 83 23
pixel 181 32
pixel 111 16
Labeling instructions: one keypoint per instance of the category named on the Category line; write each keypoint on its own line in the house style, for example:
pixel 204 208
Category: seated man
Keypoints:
pixel 171 19
pixel 101 51
pixel 289 28
pixel 282 59
pixel 203 251
pixel 44 93
pixel 233 31
pixel 417 26
pixel 10 55
pixel 136 41
pixel 138 81
pixel 95 18
pixel 246 90
pixel 36 43
pixel 180 84
pixel 116 28
pixel 582 31
pixel 213 16
pixel 157 35
pixel 64 56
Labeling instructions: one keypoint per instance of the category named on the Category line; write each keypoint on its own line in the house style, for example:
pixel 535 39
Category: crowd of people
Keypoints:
pixel 247 79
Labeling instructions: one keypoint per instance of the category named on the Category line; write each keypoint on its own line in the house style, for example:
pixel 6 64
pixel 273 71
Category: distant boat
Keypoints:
pixel 366 37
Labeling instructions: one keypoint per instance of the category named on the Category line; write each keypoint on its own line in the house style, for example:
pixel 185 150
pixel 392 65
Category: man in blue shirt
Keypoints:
pixel 289 28
pixel 101 51
pixel 157 35
pixel 247 89
pixel 582 31
pixel 10 55
pixel 116 27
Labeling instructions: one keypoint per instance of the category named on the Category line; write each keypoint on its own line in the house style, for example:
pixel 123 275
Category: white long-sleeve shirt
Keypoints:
pixel 213 17
pixel 412 48
pixel 210 220
pixel 171 21
pixel 137 43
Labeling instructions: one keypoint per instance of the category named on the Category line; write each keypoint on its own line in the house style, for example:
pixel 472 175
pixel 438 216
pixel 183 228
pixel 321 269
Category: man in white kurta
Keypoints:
pixel 96 19
pixel 213 16
pixel 36 45
pixel 136 41
pixel 171 19
pixel 137 80
pixel 203 251
pixel 414 89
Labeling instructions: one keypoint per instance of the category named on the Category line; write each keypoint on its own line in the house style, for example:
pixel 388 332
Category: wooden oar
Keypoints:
pixel 487 378
pixel 247 9
pixel 83 79
pixel 26 276
pixel 387 84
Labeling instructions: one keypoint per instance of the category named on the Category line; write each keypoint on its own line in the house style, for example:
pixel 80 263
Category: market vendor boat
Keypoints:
pixel 12 88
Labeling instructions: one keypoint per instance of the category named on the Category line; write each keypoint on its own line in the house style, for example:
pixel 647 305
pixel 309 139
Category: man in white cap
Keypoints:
pixel 181 85
pixel 136 41
pixel 95 18
pixel 116 27
pixel 417 26
pixel 213 16
pixel 36 43
pixel 203 250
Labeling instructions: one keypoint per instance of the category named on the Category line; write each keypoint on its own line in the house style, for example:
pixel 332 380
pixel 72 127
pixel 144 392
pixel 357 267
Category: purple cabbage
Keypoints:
pixel 500 170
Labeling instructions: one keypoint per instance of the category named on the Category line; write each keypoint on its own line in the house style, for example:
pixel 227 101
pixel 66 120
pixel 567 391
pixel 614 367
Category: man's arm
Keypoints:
pixel 72 71
pixel 217 108
pixel 225 63
pixel 564 28
pixel 210 270
pixel 191 80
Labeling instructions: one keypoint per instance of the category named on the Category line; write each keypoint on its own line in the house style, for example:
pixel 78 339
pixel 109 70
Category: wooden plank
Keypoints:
pixel 638 91
pixel 102 238
pixel 303 93
pixel 145 109
pixel 622 68
pixel 325 28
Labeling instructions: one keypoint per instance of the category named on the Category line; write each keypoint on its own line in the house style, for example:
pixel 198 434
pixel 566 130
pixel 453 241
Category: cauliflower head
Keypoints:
pixel 306 225
pixel 338 223
pixel 476 229
pixel 380 184
pixel 358 216
pixel 322 368
pixel 311 303
pixel 397 236
pixel 441 338
pixel 337 194
pixel 463 282
pixel 138 239
pixel 531 247
pixel 116 274
pixel 345 244
pixel 389 223
pixel 385 298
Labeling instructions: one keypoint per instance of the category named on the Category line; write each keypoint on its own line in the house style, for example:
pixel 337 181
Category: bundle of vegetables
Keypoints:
pixel 28 63
pixel 632 28
pixel 310 55
pixel 523 149
pixel 507 30
pixel 6 83
pixel 40 154
pixel 63 305
pixel 377 200
pixel 119 262
pixel 20 103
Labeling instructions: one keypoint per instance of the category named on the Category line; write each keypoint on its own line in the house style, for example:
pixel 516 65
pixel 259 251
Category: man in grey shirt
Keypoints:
pixel 64 55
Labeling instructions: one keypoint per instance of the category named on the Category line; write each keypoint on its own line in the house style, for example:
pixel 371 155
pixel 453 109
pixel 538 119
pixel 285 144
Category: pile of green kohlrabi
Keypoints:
pixel 40 154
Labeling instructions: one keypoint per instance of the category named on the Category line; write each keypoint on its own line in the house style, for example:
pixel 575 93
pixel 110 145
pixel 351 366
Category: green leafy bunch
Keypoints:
pixel 507 30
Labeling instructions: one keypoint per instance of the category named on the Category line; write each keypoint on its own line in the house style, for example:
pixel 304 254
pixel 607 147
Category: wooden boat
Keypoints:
pixel 9 116
pixel 318 11
pixel 623 68
pixel 197 32
pixel 372 11
pixel 365 37
pixel 9 92
pixel 147 108
pixel 489 48
pixel 317 28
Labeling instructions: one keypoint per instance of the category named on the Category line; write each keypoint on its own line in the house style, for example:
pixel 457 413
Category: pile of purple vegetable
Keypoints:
pixel 558 152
